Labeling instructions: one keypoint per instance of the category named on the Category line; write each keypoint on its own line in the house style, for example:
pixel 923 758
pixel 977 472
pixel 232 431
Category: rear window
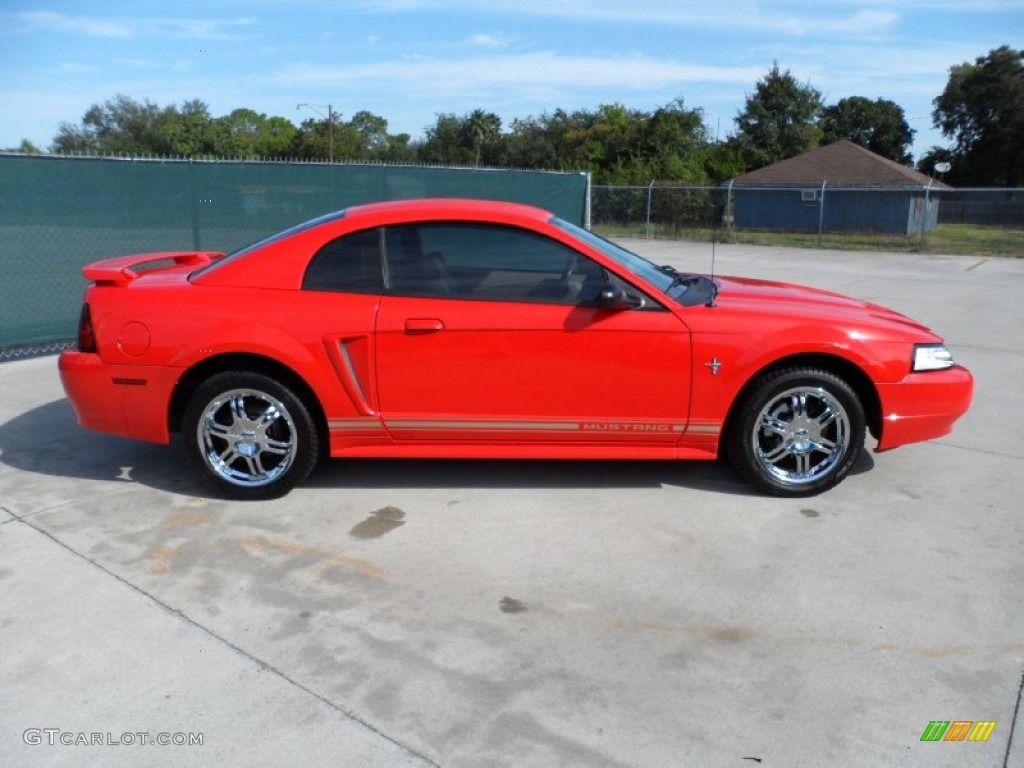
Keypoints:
pixel 348 264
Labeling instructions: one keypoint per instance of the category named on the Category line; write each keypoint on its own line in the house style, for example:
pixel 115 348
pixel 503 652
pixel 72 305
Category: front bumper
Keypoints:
pixel 126 400
pixel 923 406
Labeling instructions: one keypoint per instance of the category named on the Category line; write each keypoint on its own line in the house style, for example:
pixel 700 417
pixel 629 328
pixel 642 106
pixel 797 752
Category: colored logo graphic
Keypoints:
pixel 958 730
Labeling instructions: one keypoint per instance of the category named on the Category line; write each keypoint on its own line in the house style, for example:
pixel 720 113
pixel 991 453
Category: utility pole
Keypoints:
pixel 330 124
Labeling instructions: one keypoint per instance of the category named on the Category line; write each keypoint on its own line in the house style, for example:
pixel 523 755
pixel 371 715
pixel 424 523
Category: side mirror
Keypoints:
pixel 614 297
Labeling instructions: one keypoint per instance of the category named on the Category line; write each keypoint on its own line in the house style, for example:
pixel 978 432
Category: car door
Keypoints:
pixel 493 332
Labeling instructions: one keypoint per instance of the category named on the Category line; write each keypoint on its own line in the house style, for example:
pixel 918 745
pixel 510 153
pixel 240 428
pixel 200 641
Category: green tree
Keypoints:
pixel 189 131
pixel 371 133
pixel 238 133
pixel 27 147
pixel 607 142
pixel 482 128
pixel 124 126
pixel 120 125
pixel 617 145
pixel 444 142
pixel 933 157
pixel 982 110
pixel 464 140
pixel 276 136
pixel 311 140
pixel 878 125
pixel 674 143
pixel 779 120
pixel 538 142
pixel 723 161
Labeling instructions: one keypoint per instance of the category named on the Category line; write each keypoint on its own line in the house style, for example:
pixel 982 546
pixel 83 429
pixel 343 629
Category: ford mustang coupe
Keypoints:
pixel 468 328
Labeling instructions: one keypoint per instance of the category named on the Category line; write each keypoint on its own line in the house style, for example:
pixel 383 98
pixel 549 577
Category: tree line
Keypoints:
pixel 981 111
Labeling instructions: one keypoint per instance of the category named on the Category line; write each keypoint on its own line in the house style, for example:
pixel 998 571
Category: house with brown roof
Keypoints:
pixel 841 187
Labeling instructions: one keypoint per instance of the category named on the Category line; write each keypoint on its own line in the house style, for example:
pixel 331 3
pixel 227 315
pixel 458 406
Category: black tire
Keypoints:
pixel 249 435
pixel 797 432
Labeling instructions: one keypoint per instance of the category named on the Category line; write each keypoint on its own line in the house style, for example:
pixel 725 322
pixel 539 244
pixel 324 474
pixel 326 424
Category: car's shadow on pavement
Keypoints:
pixel 48 441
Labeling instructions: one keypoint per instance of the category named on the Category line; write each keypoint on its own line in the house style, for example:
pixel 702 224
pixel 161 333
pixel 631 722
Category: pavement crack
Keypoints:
pixel 1013 723
pixel 979 450
pixel 176 612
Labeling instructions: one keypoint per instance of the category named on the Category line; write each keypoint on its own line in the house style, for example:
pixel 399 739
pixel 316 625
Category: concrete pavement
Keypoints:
pixel 458 613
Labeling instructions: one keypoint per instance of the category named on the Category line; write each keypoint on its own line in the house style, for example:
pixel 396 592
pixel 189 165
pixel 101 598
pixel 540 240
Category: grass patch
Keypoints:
pixel 966 239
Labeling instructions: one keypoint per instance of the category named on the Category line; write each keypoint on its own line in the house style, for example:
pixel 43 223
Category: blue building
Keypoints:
pixel 842 187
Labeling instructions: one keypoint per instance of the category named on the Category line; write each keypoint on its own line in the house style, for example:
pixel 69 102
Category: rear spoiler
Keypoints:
pixel 119 270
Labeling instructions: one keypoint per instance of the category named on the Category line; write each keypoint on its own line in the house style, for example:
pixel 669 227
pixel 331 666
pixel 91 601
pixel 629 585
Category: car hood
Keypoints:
pixel 799 301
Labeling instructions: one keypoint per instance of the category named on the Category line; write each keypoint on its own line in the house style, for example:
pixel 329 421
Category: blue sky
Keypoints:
pixel 408 60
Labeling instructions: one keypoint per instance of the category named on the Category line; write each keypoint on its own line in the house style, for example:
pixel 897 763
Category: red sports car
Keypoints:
pixel 467 328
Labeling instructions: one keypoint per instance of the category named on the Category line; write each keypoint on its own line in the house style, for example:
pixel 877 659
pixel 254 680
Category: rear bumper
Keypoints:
pixel 923 406
pixel 126 400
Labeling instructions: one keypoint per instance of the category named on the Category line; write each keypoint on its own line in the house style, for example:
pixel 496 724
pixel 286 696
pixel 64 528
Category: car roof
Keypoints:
pixel 448 206
pixel 260 258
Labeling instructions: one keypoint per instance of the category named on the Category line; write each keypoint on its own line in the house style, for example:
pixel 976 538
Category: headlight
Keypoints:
pixel 931 357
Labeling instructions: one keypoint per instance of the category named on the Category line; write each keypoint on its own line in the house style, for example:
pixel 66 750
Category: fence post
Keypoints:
pixel 924 217
pixel 587 223
pixel 194 193
pixel 650 189
pixel 728 209
pixel 821 213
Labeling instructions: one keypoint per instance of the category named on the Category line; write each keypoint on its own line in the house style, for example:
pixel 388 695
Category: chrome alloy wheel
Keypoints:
pixel 247 437
pixel 801 435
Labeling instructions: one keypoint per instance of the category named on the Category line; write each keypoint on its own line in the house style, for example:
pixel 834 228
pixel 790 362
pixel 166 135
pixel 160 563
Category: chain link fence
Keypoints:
pixel 987 221
pixel 57 214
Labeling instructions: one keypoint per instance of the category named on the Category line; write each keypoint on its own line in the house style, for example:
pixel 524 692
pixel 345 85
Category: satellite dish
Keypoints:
pixel 943 167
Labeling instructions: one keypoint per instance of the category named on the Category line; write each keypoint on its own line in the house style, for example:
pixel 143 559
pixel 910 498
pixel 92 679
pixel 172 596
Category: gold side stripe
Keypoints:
pixel 705 429
pixel 355 424
pixel 371 423
pixel 523 425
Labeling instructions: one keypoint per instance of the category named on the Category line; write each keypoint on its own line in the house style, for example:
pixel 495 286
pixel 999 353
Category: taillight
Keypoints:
pixel 86 338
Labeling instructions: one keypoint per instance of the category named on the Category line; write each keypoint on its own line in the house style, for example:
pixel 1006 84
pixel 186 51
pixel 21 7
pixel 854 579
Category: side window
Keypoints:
pixel 350 264
pixel 487 262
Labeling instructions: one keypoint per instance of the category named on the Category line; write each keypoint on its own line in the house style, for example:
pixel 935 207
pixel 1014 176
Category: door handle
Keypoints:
pixel 423 325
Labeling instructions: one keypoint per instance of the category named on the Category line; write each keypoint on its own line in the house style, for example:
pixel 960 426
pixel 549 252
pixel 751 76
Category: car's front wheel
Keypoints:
pixel 797 432
pixel 250 435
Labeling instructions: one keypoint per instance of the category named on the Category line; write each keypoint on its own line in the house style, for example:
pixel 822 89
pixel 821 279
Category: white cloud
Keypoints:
pixel 791 18
pixel 544 70
pixel 74 68
pixel 196 29
pixel 202 29
pixel 138 63
pixel 488 41
pixel 938 6
pixel 675 11
pixel 60 22
pixel 860 23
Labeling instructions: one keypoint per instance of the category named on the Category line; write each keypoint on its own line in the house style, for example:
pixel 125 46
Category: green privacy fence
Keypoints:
pixel 59 213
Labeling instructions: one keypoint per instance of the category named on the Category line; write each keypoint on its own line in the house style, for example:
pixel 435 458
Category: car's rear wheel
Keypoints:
pixel 797 432
pixel 250 435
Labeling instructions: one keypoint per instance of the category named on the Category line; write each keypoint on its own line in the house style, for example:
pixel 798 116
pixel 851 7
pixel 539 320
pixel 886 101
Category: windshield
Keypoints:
pixel 638 265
